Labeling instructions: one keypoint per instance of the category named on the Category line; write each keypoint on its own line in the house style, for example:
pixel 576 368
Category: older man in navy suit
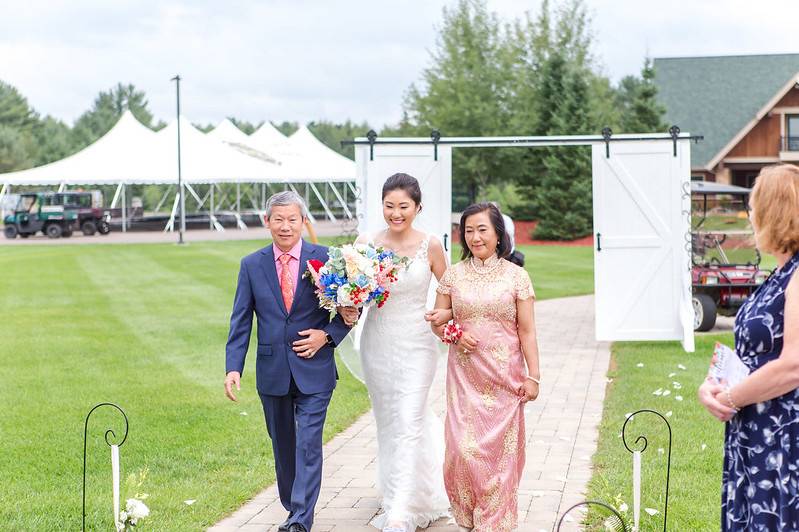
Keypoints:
pixel 295 370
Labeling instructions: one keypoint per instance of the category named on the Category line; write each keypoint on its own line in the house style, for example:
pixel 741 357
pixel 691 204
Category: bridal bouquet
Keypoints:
pixel 355 275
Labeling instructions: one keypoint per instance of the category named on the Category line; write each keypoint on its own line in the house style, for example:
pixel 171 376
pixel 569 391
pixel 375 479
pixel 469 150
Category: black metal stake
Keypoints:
pixel 645 443
pixel 181 202
pixel 601 504
pixel 109 431
pixel 640 439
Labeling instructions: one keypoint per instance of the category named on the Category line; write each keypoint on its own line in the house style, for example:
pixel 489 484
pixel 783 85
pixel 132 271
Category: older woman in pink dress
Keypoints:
pixel 492 372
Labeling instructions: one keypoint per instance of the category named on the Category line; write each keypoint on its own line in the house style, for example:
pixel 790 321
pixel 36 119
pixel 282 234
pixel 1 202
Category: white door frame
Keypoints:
pixel 366 147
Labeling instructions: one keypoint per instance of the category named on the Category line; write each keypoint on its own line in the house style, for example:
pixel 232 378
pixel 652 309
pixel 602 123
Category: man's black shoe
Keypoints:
pixel 296 527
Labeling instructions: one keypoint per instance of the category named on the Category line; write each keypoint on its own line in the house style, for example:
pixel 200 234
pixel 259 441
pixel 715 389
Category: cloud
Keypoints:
pixel 311 59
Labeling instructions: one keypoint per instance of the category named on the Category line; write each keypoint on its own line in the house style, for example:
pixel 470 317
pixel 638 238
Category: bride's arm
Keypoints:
pixel 443 302
pixel 438 265
pixel 438 261
pixel 363 238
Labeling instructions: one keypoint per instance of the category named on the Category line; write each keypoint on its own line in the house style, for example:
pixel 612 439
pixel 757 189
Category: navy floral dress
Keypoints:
pixel 760 482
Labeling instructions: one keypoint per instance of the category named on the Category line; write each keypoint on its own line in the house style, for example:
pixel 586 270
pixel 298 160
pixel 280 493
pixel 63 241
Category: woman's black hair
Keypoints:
pixel 503 242
pixel 405 182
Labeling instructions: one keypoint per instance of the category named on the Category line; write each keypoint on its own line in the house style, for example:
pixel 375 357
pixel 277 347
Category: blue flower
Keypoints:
pixel 331 283
pixel 376 293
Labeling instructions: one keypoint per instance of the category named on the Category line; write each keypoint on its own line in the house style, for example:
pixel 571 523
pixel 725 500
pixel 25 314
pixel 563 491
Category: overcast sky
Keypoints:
pixel 319 59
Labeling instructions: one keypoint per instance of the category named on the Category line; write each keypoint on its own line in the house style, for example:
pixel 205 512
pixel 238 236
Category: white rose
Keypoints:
pixel 343 297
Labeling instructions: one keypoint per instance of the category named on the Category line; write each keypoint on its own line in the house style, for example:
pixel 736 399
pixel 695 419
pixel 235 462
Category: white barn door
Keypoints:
pixel 641 264
pixel 435 179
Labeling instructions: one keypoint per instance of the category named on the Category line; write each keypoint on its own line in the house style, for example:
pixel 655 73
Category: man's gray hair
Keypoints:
pixel 281 199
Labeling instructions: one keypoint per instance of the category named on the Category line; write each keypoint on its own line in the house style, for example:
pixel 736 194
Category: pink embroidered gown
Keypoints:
pixel 484 427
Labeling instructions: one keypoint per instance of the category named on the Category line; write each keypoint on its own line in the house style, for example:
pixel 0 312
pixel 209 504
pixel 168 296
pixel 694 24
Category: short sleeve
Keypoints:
pixel 523 285
pixel 446 282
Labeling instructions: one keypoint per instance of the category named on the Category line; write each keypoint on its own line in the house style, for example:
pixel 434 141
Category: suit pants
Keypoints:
pixel 295 422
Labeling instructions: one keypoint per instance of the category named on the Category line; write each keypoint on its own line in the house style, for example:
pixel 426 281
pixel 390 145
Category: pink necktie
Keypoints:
pixel 286 282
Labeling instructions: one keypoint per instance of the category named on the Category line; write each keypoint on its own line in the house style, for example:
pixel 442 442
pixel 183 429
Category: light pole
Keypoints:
pixel 182 201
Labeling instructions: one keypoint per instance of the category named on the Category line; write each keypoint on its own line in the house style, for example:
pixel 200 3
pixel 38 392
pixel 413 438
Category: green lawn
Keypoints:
pixel 143 326
pixel 695 494
pixel 556 271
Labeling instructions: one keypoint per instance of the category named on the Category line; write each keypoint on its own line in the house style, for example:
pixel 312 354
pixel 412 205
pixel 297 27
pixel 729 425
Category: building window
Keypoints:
pixel 791 142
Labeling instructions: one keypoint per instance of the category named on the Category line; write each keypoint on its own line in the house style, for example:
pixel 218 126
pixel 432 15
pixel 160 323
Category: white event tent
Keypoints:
pixel 132 154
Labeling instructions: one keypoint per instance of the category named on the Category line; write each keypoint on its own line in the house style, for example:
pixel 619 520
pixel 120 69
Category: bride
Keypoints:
pixel 399 356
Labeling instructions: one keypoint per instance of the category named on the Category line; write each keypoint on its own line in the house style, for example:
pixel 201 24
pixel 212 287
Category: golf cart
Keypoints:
pixel 725 260
pixel 36 212
pixel 91 219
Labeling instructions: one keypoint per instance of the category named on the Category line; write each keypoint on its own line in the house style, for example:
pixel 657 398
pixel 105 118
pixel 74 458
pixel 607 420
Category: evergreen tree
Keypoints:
pixel 287 128
pixel 460 93
pixel 562 198
pixel 53 140
pixel 106 111
pixel 641 112
pixel 15 112
pixel 331 134
pixel 13 150
pixel 245 126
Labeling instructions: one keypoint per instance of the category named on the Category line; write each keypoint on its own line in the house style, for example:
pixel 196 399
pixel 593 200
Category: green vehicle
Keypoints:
pixel 39 212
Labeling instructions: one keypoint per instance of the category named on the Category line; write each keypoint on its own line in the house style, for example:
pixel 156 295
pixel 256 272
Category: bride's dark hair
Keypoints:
pixel 405 182
pixel 503 242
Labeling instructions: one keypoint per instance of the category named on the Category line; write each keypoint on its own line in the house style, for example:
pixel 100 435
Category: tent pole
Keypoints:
pixel 163 199
pixel 170 225
pixel 238 198
pixel 3 192
pixel 211 211
pixel 263 195
pixel 181 190
pixel 310 216
pixel 116 196
pixel 124 210
pixel 323 202
pixel 62 187
pixel 193 192
pixel 341 200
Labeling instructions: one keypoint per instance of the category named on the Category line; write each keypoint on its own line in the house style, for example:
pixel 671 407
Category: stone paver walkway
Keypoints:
pixel 561 438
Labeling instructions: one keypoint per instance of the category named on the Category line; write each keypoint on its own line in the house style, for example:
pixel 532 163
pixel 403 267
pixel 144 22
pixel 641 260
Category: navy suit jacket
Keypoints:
pixel 258 292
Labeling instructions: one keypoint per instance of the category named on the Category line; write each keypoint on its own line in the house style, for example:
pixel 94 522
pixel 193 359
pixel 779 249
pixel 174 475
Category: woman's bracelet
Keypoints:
pixel 452 333
pixel 537 381
pixel 729 399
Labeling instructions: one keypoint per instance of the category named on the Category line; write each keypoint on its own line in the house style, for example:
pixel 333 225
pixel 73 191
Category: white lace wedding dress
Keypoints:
pixel 399 356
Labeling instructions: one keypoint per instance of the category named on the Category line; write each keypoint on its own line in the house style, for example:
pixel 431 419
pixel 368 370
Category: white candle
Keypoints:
pixel 115 479
pixel 636 489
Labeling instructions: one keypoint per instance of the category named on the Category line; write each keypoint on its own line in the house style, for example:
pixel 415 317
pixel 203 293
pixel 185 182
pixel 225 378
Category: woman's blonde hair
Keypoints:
pixel 775 204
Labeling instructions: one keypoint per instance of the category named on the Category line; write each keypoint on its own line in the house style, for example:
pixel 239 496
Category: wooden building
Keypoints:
pixel 747 108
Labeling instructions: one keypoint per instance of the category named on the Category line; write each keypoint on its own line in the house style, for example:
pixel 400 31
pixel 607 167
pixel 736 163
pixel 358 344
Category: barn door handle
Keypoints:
pixel 599 241
pixel 445 242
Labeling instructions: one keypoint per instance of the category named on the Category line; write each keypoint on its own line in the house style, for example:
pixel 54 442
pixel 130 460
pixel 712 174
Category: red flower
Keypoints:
pixel 315 264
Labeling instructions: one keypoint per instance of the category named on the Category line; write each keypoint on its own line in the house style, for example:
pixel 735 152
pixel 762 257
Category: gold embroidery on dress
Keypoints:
pixel 489 396
pixel 468 444
pixel 510 444
pixel 501 354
